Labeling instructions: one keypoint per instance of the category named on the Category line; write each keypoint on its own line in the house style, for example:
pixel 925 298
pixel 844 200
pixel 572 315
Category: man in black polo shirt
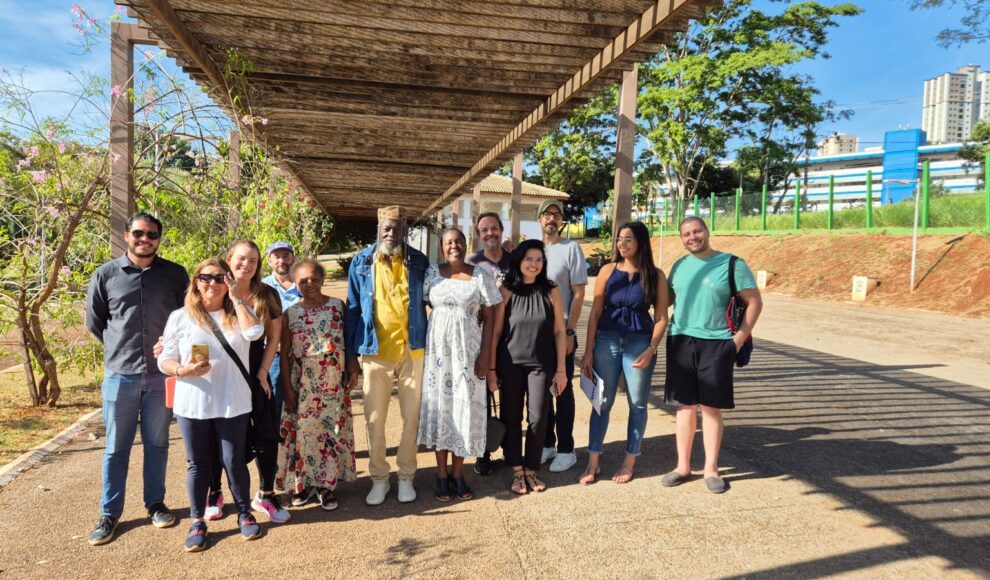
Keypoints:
pixel 128 303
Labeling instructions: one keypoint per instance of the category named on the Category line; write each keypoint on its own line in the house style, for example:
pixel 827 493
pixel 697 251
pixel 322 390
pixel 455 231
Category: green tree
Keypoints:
pixel 726 78
pixel 974 25
pixel 578 157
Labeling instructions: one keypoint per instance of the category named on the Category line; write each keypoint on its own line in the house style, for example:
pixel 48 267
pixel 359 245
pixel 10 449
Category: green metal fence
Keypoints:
pixel 751 212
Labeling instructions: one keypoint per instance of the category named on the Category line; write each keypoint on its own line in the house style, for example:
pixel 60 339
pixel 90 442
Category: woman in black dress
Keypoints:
pixel 527 359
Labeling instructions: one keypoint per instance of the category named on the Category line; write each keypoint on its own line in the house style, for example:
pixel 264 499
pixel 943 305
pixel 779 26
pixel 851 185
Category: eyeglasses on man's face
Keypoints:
pixel 552 215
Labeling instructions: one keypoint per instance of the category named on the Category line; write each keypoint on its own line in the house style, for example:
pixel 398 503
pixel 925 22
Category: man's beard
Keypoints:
pixel 283 271
pixel 389 248
pixel 143 252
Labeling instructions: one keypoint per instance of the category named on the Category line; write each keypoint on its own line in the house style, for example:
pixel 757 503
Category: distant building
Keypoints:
pixel 837 144
pixel 896 170
pixel 954 102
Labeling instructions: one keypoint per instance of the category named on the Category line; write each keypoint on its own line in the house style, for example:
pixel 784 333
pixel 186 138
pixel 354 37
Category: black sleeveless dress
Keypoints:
pixel 527 335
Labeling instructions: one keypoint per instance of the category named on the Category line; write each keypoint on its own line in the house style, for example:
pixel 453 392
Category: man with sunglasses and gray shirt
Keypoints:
pixel 128 303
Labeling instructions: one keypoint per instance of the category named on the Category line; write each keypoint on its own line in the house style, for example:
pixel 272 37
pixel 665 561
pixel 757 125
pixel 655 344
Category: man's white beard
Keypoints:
pixel 389 249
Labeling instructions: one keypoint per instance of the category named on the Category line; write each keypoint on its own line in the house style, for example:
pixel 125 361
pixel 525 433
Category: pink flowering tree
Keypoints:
pixel 54 196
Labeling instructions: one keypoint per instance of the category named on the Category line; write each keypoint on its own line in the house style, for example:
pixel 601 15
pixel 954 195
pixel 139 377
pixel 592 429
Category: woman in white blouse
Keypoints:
pixel 212 397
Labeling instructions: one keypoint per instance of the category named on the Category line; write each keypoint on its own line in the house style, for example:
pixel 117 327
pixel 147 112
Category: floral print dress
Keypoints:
pixel 452 412
pixel 317 446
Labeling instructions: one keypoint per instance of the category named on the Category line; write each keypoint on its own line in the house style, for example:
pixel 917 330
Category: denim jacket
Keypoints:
pixel 360 336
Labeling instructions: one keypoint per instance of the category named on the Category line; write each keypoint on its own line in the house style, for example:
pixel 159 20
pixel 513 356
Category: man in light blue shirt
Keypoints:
pixel 280 260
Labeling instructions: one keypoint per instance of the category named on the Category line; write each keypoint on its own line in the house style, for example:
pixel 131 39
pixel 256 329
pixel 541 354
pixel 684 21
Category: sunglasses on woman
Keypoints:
pixel 207 278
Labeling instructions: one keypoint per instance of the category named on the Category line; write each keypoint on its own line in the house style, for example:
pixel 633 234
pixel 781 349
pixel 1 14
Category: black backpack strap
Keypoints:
pixel 230 351
pixel 732 275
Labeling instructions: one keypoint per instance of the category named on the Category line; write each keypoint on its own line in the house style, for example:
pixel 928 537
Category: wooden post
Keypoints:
pixel 234 161
pixel 517 164
pixel 475 210
pixel 455 218
pixel 869 199
pixel 123 37
pixel 625 145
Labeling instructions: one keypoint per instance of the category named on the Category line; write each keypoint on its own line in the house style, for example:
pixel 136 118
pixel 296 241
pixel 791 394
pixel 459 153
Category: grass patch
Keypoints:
pixel 23 426
pixel 944 211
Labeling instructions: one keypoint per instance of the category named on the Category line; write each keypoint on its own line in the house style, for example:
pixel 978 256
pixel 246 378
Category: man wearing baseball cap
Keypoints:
pixel 280 259
pixel 568 270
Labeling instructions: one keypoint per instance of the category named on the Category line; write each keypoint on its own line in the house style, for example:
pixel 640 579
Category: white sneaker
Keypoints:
pixel 214 507
pixel 563 462
pixel 379 490
pixel 548 454
pixel 407 493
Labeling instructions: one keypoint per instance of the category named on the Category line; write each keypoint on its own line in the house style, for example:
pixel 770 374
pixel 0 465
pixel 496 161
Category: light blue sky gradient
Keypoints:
pixel 879 62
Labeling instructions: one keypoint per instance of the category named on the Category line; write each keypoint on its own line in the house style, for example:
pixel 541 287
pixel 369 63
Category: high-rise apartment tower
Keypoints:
pixel 954 102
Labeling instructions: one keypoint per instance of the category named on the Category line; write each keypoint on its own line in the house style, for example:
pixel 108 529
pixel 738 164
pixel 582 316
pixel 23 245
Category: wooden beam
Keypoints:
pixel 123 37
pixel 475 210
pixel 625 146
pixel 650 21
pixel 234 160
pixel 515 216
pixel 166 15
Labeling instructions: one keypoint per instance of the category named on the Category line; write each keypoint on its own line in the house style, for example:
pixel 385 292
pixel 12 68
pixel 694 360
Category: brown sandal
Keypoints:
pixel 532 481
pixel 518 485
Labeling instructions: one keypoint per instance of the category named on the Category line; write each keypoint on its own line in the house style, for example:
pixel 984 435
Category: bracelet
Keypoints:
pixel 177 369
pixel 238 303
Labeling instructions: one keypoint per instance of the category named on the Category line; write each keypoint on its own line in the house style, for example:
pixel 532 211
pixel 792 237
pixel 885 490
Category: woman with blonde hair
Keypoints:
pixel 244 258
pixel 205 345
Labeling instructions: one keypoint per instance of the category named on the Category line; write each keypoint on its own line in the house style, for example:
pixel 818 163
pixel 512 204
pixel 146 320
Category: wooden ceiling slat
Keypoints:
pixel 383 101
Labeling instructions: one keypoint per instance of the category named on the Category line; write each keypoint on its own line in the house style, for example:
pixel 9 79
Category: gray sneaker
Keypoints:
pixel 103 532
pixel 161 516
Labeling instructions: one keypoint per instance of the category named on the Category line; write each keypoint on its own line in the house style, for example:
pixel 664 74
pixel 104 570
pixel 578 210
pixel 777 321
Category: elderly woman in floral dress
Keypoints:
pixel 317 448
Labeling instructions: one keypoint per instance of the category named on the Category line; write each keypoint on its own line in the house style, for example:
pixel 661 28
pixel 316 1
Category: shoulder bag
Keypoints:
pixel 736 313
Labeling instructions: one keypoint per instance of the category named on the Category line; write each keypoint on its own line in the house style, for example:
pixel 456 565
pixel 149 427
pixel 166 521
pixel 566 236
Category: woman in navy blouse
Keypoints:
pixel 622 341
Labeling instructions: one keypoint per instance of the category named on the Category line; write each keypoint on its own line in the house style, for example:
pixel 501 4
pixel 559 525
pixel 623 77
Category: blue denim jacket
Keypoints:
pixel 360 336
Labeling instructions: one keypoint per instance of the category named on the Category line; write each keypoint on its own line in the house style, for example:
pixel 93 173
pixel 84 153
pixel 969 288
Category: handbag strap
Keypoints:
pixel 230 350
pixel 492 405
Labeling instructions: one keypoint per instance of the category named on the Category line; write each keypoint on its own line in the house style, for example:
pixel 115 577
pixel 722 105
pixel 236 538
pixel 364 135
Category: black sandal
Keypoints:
pixel 442 492
pixel 461 487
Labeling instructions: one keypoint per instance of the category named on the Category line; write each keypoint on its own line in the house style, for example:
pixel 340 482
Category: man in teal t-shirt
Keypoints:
pixel 701 350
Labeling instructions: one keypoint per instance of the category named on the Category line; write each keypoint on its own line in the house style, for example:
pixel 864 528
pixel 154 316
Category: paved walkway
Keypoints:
pixel 837 467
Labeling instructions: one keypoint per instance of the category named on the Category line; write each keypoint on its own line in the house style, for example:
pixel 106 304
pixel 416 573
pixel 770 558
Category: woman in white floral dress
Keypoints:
pixel 452 416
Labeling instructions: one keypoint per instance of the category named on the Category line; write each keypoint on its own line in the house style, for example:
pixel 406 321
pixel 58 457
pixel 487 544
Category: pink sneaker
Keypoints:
pixel 214 507
pixel 269 505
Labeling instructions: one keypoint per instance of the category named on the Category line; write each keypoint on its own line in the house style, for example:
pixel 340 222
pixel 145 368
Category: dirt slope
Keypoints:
pixel 953 271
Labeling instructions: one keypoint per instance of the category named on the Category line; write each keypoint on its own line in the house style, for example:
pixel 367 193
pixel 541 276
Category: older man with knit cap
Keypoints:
pixel 386 327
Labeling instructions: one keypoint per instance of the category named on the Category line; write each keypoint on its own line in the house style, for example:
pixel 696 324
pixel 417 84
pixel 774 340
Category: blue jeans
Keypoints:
pixel 126 399
pixel 614 356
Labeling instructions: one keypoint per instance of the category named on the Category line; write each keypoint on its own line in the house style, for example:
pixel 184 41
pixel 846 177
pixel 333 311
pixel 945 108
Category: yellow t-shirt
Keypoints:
pixel 392 309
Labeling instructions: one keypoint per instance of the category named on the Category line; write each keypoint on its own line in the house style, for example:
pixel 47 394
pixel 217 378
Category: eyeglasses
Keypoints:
pixel 553 215
pixel 151 235
pixel 536 260
pixel 207 278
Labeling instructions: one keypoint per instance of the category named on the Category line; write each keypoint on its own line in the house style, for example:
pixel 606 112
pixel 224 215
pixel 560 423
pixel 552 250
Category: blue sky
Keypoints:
pixel 879 62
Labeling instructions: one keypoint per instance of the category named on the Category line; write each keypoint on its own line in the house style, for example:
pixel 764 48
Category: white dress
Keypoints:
pixel 452 414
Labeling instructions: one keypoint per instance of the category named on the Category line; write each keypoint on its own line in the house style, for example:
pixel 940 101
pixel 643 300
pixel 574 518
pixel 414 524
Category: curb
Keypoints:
pixel 29 458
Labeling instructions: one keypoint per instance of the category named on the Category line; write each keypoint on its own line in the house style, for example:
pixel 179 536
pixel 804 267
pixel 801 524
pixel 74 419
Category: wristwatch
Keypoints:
pixel 571 332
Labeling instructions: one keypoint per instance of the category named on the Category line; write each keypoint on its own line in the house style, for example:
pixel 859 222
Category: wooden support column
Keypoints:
pixel 475 210
pixel 455 218
pixel 517 163
pixel 123 37
pixel 234 160
pixel 625 149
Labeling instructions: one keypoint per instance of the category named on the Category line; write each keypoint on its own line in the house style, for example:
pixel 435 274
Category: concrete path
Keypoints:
pixel 837 467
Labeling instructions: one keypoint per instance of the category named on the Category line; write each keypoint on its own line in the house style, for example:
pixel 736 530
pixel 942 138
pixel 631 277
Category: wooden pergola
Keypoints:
pixel 371 103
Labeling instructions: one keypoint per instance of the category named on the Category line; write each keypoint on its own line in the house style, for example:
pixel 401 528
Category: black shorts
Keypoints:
pixel 699 371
